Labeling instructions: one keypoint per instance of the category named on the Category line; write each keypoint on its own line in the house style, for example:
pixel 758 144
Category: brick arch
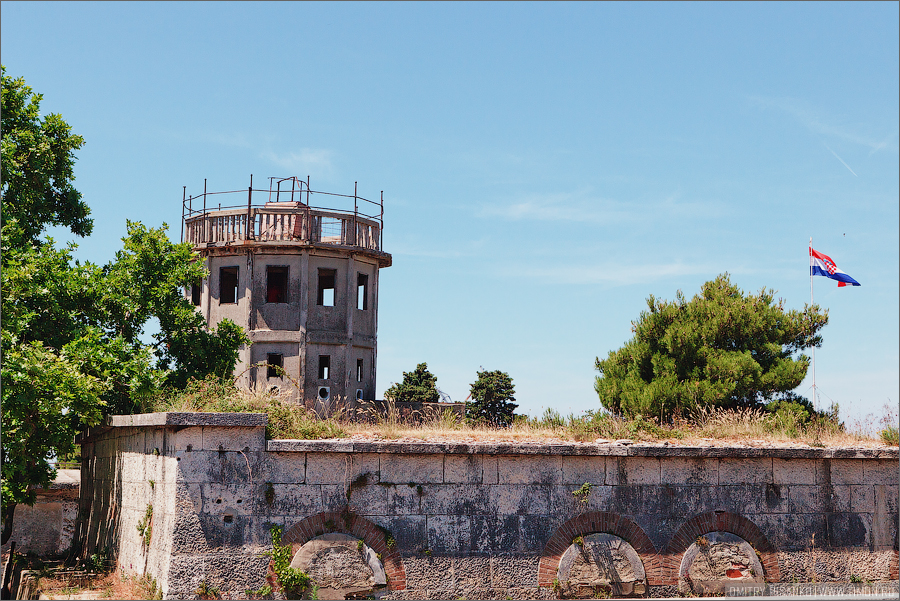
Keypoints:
pixel 347 522
pixel 596 522
pixel 717 521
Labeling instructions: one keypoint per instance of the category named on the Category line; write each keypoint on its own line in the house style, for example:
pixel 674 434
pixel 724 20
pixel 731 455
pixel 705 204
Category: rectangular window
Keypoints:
pixel 195 294
pixel 228 285
pixel 324 366
pixel 359 370
pixel 326 287
pixel 275 365
pixel 362 288
pixel 276 284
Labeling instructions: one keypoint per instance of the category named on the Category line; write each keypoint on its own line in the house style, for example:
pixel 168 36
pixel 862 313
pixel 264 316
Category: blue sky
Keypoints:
pixel 545 167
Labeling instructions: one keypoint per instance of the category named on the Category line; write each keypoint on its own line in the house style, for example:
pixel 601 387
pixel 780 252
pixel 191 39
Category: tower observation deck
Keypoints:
pixel 298 270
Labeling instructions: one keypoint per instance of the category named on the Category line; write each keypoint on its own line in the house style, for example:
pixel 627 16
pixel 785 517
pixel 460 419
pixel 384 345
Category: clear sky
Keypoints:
pixel 545 167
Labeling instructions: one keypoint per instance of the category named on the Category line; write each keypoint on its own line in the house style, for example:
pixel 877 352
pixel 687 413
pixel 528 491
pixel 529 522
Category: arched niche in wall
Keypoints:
pixel 600 564
pixel 722 522
pixel 373 537
pixel 592 523
pixel 717 562
pixel 340 565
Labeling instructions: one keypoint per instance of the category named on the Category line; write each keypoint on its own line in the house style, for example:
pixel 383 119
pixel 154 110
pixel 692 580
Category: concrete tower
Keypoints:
pixel 301 279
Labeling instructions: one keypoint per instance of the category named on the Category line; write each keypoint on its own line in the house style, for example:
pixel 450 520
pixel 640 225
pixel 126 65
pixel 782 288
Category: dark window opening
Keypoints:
pixel 359 394
pixel 359 370
pixel 276 284
pixel 362 289
pixel 326 287
pixel 195 294
pixel 228 285
pixel 274 365
pixel 324 366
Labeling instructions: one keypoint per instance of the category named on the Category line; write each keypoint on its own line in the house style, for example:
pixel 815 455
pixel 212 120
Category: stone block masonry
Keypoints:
pixel 480 520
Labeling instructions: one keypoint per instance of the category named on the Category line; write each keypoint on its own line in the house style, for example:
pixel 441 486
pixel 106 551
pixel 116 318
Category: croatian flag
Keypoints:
pixel 821 264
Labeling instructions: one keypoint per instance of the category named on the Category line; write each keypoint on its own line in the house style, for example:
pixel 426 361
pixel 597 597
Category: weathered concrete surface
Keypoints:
pixel 601 563
pixel 341 565
pixel 269 281
pixel 46 528
pixel 478 520
pixel 717 562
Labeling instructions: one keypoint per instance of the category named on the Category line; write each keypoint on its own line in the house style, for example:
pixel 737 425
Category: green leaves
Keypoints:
pixel 418 386
pixel 492 396
pixel 147 280
pixel 44 395
pixel 720 348
pixel 71 332
pixel 38 159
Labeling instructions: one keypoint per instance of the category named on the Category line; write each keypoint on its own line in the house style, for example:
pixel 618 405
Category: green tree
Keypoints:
pixel 38 161
pixel 418 386
pixel 146 280
pixel 722 348
pixel 71 332
pixel 491 399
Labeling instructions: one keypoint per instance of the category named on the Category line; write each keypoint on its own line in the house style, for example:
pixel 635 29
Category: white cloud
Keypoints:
pixel 303 161
pixel 469 248
pixel 817 122
pixel 618 274
pixel 581 207
pixel 613 274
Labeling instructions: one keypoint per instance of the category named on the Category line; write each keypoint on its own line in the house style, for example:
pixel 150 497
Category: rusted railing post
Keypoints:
pixel 352 240
pixel 203 236
pixel 249 234
pixel 183 206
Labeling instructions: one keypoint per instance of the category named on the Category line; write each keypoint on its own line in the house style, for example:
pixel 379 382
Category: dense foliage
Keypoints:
pixel 38 161
pixel 491 399
pixel 71 332
pixel 720 349
pixel 418 386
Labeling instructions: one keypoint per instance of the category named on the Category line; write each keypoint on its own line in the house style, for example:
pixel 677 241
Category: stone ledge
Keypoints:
pixel 613 450
pixel 185 419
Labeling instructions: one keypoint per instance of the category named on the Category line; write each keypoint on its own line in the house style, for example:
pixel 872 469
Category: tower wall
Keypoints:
pixel 303 283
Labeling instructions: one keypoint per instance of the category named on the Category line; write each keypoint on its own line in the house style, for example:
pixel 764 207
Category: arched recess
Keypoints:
pixel 717 521
pixel 596 522
pixel 349 523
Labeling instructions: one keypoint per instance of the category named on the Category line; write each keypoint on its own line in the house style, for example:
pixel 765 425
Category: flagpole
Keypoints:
pixel 812 302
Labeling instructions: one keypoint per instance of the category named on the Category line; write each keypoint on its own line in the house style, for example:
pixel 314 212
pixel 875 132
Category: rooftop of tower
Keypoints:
pixel 287 212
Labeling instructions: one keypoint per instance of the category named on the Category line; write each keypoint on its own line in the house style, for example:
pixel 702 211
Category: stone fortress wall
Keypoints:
pixel 480 520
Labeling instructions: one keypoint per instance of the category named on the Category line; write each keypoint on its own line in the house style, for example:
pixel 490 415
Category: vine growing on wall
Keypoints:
pixel 293 582
pixel 145 526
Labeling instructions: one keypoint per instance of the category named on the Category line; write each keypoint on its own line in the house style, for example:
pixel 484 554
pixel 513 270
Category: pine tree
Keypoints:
pixel 418 386
pixel 492 396
pixel 721 349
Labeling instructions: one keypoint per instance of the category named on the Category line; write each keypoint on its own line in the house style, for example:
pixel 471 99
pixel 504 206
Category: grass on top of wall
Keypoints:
pixel 288 420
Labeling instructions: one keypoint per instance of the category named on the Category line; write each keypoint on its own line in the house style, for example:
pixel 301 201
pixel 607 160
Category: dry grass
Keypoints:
pixel 747 427
pixel 114 585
